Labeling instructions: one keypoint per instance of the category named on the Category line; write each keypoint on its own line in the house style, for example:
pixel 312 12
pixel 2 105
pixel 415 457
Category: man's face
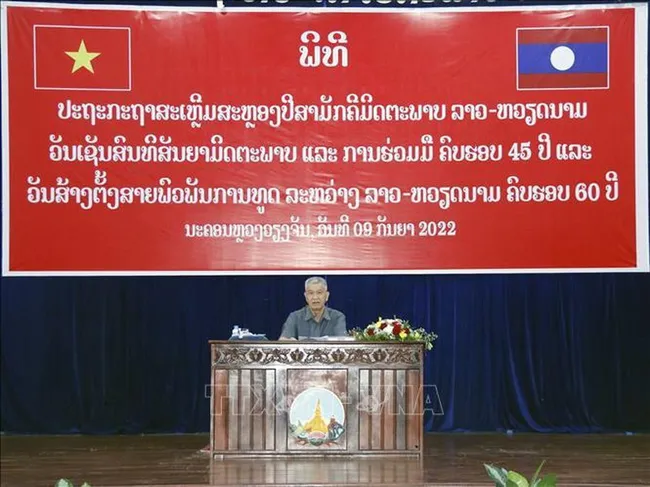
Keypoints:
pixel 316 296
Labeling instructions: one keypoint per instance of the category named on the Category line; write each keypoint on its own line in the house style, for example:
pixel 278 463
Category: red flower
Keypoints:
pixel 371 332
pixel 406 330
pixel 383 325
pixel 397 329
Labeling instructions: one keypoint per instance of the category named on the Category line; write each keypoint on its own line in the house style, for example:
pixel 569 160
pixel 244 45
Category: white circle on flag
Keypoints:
pixel 562 58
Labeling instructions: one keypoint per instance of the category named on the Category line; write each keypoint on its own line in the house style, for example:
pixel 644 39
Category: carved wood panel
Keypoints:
pixel 236 355
pixel 361 398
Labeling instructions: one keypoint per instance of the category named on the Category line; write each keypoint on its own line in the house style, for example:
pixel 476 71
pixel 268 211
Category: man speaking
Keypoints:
pixel 316 319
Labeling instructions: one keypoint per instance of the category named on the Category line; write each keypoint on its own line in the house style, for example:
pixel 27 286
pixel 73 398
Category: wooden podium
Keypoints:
pixel 322 398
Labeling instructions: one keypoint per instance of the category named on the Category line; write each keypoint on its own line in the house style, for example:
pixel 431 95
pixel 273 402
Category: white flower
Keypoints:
pixel 388 330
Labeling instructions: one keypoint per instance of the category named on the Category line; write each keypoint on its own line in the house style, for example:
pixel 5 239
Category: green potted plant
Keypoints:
pixel 509 478
pixel 67 483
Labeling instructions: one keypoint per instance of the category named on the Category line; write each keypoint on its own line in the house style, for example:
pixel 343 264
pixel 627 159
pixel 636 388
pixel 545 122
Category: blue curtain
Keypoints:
pixel 548 353
pixel 552 353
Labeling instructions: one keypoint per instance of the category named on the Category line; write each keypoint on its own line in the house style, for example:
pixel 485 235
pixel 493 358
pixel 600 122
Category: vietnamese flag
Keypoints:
pixel 82 58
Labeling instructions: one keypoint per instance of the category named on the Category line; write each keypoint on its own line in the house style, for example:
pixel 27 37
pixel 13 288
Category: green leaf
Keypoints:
pixel 86 484
pixel 548 480
pixel 515 479
pixel 533 481
pixel 63 483
pixel 497 474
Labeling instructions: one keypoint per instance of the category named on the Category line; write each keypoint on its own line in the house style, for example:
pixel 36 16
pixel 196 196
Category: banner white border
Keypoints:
pixel 641 135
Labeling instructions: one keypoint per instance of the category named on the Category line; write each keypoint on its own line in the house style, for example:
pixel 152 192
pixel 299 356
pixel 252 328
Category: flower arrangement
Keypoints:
pixel 395 329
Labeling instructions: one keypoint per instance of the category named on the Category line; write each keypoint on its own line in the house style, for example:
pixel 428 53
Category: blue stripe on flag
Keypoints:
pixel 589 58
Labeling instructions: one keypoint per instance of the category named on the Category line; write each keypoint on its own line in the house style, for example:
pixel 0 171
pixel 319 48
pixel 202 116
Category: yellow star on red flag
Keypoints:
pixel 82 58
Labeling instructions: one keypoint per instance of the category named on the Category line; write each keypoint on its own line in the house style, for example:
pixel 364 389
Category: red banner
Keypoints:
pixel 188 141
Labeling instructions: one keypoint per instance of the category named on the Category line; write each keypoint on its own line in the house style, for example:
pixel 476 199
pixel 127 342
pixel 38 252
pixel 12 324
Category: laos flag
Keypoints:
pixel 563 58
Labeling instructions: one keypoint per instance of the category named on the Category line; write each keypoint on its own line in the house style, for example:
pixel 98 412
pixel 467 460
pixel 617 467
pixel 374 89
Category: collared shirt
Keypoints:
pixel 301 323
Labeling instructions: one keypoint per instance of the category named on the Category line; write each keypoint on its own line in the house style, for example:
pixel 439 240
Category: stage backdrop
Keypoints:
pixel 550 353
